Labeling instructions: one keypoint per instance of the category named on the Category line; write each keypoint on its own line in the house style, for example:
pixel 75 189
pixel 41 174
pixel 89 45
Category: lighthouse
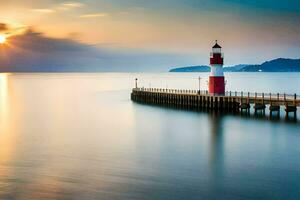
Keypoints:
pixel 216 77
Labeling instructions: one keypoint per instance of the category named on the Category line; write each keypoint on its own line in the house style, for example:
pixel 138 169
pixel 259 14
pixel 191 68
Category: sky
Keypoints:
pixel 147 35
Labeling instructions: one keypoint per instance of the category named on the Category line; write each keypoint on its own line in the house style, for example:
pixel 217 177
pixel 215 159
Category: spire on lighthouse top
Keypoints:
pixel 217 46
pixel 216 49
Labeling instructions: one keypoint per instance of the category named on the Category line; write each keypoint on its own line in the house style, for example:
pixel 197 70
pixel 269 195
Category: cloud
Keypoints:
pixel 38 42
pixel 34 52
pixel 43 10
pixel 62 6
pixel 3 27
pixel 9 30
pixel 94 15
pixel 72 4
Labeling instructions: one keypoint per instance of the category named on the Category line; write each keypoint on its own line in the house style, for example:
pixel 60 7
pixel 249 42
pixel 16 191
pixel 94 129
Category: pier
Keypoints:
pixel 229 102
pixel 216 98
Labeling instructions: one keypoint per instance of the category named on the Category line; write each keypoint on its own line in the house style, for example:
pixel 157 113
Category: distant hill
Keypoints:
pixel 202 68
pixel 205 68
pixel 235 68
pixel 277 65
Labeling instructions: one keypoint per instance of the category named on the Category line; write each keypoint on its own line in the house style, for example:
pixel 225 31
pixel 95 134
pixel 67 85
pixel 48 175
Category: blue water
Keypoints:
pixel 78 136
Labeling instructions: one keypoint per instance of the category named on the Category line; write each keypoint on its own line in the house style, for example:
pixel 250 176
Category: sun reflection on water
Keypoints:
pixel 7 140
pixel 3 98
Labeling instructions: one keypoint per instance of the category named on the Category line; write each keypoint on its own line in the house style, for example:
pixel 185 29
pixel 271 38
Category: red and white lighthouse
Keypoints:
pixel 216 77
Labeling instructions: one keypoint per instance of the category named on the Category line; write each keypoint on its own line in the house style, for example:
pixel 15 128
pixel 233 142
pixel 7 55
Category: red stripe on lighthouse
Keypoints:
pixel 217 85
pixel 216 59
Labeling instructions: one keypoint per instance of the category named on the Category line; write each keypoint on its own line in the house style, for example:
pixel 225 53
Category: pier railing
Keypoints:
pixel 230 101
pixel 273 99
pixel 267 96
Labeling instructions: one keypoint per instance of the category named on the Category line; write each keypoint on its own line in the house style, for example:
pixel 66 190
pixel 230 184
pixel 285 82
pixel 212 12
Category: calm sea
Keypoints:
pixel 78 136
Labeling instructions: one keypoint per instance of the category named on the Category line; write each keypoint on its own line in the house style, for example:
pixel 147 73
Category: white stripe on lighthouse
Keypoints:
pixel 216 70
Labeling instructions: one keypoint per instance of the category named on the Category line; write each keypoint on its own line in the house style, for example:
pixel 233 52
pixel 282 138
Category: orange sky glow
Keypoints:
pixel 166 26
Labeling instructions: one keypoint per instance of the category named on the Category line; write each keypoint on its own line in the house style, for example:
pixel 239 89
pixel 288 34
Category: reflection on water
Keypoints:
pixel 216 145
pixel 6 139
pixel 3 95
pixel 78 136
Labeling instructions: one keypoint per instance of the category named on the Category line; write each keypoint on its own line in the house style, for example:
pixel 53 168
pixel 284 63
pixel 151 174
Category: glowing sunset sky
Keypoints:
pixel 250 31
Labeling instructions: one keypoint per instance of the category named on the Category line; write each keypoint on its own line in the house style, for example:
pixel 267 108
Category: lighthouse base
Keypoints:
pixel 217 85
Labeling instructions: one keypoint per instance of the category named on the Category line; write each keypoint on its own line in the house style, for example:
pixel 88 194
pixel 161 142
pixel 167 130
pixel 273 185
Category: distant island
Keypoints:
pixel 276 65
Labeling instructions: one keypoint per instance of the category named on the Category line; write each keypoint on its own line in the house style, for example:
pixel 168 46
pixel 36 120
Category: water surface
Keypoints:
pixel 78 136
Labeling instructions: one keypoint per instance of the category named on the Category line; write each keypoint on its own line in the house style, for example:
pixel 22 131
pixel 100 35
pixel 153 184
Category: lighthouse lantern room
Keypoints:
pixel 216 77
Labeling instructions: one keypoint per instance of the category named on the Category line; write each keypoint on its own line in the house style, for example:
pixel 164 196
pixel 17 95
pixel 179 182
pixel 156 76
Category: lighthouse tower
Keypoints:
pixel 216 77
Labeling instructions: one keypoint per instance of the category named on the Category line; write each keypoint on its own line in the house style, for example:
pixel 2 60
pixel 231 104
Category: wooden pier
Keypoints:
pixel 229 102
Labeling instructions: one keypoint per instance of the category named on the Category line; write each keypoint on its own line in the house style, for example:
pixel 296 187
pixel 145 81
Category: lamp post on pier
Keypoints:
pixel 199 78
pixel 199 83
pixel 136 84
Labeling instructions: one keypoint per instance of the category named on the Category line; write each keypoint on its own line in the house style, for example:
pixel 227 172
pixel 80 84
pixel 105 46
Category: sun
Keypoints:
pixel 2 39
